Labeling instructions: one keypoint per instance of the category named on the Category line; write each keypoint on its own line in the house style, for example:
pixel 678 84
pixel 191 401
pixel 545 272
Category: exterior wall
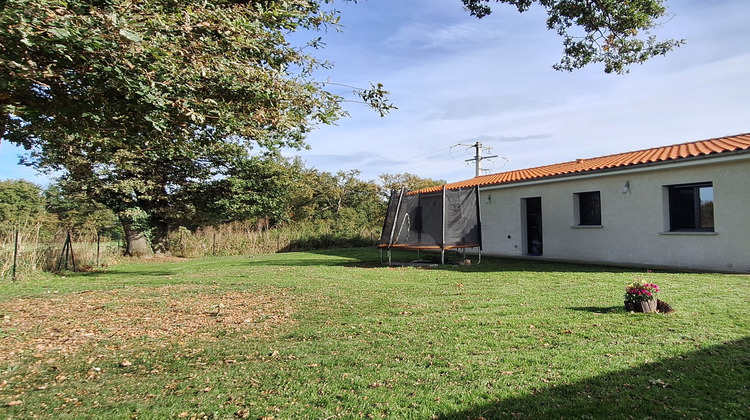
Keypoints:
pixel 635 225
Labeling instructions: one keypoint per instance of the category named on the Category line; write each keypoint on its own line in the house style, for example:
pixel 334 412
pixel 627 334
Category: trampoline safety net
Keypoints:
pixel 445 219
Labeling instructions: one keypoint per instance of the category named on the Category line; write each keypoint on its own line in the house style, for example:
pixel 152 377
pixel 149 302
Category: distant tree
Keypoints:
pixel 20 200
pixel 341 198
pixel 613 32
pixel 77 212
pixel 253 188
pixel 394 182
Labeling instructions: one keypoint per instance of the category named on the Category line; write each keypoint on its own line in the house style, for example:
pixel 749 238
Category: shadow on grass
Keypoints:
pixel 709 383
pixel 370 258
pixel 144 273
pixel 598 309
pixel 329 242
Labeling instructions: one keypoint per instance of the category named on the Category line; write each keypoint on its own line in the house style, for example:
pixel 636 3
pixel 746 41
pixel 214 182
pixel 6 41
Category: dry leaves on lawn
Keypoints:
pixel 66 323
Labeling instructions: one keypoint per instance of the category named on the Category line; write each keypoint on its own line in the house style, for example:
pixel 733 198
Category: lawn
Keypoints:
pixel 336 335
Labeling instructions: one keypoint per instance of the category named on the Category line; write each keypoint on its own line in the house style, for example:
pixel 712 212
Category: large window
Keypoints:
pixel 691 207
pixel 589 208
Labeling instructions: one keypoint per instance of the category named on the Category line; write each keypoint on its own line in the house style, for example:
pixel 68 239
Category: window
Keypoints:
pixel 589 208
pixel 691 207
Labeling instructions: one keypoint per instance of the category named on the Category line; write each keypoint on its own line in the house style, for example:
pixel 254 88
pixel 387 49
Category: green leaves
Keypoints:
pixel 19 200
pixel 612 32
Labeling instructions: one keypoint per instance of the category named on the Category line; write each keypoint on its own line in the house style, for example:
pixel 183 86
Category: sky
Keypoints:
pixel 458 80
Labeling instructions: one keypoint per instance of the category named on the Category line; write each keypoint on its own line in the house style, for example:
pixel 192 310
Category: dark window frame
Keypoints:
pixel 589 208
pixel 686 212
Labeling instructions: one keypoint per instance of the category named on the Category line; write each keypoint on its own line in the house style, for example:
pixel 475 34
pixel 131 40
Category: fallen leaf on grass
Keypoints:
pixel 15 403
pixel 659 382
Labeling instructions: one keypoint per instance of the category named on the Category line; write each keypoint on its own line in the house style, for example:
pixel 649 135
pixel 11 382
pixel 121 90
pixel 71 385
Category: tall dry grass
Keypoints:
pixel 242 238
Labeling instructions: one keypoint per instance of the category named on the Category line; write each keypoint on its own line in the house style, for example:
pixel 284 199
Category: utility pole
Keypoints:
pixel 478 158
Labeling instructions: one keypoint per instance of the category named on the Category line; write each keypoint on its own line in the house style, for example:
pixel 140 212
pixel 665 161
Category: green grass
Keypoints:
pixel 500 339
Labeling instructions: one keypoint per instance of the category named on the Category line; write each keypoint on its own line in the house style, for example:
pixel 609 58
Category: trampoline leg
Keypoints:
pixel 389 257
pixel 442 256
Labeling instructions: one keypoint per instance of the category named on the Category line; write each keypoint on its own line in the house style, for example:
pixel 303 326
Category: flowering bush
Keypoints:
pixel 641 290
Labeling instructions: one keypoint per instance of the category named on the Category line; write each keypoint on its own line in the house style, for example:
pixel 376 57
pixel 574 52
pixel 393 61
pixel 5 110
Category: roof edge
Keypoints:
pixel 681 152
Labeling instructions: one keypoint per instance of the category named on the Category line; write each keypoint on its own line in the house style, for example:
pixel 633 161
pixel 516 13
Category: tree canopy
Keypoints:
pixel 139 101
pixel 613 32
pixel 107 73
pixel 411 182
pixel 19 200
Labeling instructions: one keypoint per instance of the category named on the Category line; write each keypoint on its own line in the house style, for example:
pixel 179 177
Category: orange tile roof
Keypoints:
pixel 719 145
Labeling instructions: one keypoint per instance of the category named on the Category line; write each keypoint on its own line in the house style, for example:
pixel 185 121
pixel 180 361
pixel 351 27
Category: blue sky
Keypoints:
pixel 458 80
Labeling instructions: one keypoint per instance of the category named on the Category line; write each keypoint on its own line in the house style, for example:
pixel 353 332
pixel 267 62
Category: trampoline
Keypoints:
pixel 448 219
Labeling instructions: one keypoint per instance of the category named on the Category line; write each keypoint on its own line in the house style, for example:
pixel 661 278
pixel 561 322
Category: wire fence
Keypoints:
pixel 25 249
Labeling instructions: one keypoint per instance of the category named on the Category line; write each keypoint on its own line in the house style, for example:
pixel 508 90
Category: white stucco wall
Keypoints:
pixel 634 226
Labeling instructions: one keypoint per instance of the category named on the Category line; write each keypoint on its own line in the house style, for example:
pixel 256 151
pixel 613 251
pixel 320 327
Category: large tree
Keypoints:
pixel 136 100
pixel 613 32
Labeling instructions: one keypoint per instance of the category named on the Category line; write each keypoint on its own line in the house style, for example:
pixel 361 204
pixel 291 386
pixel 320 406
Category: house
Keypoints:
pixel 685 206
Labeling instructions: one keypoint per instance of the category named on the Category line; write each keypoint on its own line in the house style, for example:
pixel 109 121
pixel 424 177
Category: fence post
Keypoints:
pixel 15 255
pixel 67 252
pixel 97 248
pixel 72 256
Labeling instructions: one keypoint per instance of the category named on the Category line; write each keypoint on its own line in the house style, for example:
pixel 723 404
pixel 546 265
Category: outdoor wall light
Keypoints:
pixel 626 188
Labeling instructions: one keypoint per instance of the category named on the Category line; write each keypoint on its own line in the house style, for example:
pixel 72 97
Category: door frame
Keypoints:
pixel 531 219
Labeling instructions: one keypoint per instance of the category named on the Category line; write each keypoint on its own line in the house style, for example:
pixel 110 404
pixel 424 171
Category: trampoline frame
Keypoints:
pixel 390 244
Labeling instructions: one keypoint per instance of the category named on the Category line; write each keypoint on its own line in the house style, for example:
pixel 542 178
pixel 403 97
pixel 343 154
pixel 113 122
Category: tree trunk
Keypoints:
pixel 136 244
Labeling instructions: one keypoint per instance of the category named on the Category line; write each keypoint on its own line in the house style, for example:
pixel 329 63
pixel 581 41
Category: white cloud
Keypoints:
pixel 422 36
